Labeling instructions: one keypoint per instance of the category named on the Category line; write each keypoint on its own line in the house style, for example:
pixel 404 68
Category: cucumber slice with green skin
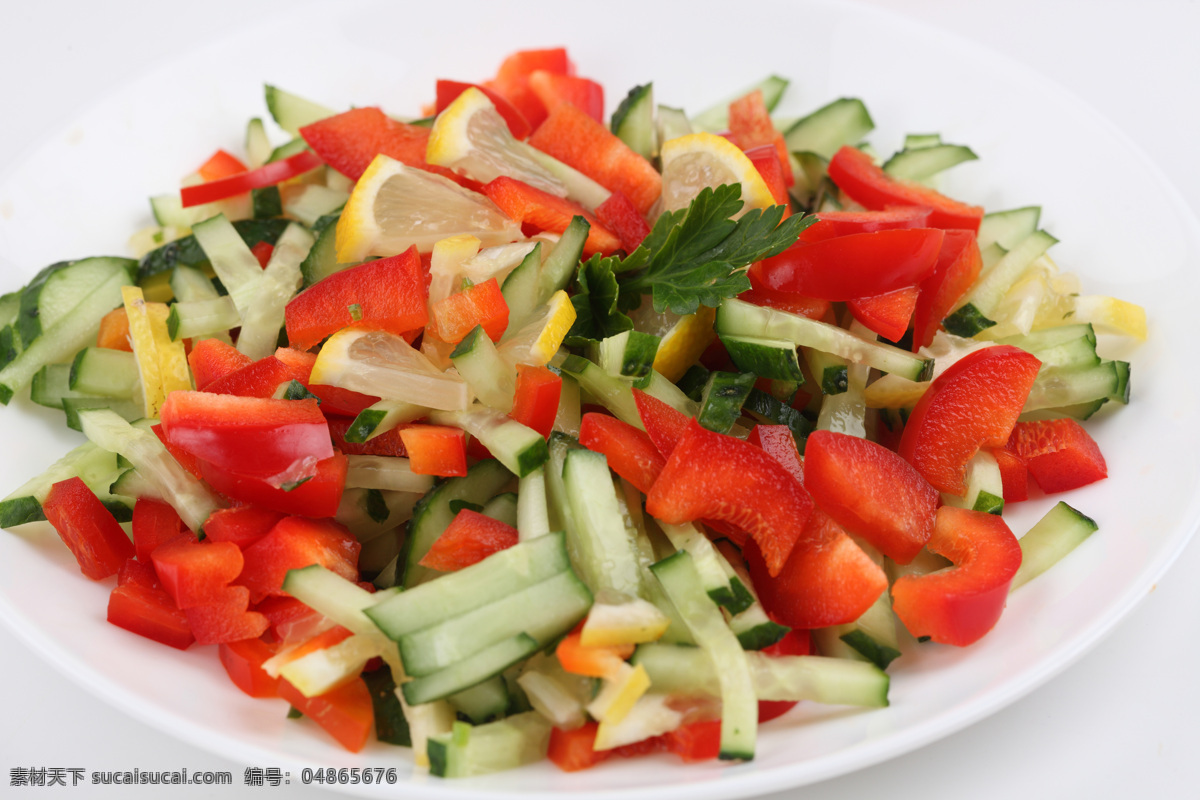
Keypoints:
pixel 832 681
pixel 190 284
pixel 95 466
pixel 257 145
pixel 520 289
pixel 915 141
pixel 131 484
pixel 722 399
pixel 1050 540
pixel 128 410
pixel 232 260
pixel 263 312
pixel 433 514
pixel 739 704
pixel 1066 346
pixel 519 448
pixel 824 131
pixel 765 408
pixel 673 123
pixel 716 118
pixel 1008 228
pixel 985 489
pixel 633 121
pixel 188 252
pixel 202 318
pixel 559 267
pixel 502 508
pixel 382 417
pixel 1065 387
pixel 391 726
pixel 613 393
pixel 388 473
pixel 601 547
pixel 492 379
pixel 629 354
pixel 292 112
pixel 972 316
pixel 991 255
pixel 767 358
pixel 10 345
pixel 311 202
pixel 483 701
pixel 811 174
pixel 846 412
pixel 828 369
pixel 266 202
pixel 56 292
pixel 478 667
pixel 343 601
pixel 321 261
pixel 739 318
pixel 924 162
pixel 50 385
pixel 693 381
pixel 543 611
pixel 287 150
pixel 580 188
pixel 533 511
pixel 1079 411
pixel 10 306
pixel 707 562
pixel 755 630
pixel 662 389
pixel 502 745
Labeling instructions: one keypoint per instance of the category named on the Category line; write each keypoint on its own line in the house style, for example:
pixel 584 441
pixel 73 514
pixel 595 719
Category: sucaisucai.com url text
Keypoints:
pixel 75 776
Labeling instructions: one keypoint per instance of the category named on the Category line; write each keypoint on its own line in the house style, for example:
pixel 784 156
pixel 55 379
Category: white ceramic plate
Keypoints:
pixel 84 191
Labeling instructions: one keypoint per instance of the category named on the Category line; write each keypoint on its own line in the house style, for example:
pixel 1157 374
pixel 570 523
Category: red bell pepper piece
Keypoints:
pixel 535 403
pixel 619 216
pixel 830 224
pixel 197 573
pixel 630 452
pixel 220 165
pixel 114 331
pixel 871 492
pixel 257 436
pixel 886 314
pixel 87 528
pixel 1014 475
pixel 294 543
pixel 793 643
pixel 973 404
pixel 435 450
pixel 151 613
pixel 720 477
pixel 346 713
pixel 315 497
pixel 139 574
pixel 243 663
pixel 858 265
pixel 827 580
pixel 958 265
pixel 334 399
pixel 778 442
pixel 512 79
pixel 183 457
pixel 959 605
pixel 155 524
pixel 349 142
pixel 572 751
pixel 751 127
pixel 593 661
pixel 211 360
pixel 482 304
pixel 1059 454
pixel 291 621
pixel 386 294
pixel 267 175
pixel 227 621
pixel 448 92
pixel 574 138
pixel 867 184
pixel 241 525
pixel 542 211
pixel 664 425
pixel 253 379
pixel 468 539
pixel 387 443
pixel 766 160
pixel 263 251
pixel 555 90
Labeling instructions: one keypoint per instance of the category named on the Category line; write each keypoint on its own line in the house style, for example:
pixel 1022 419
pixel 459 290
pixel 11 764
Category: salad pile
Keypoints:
pixel 512 432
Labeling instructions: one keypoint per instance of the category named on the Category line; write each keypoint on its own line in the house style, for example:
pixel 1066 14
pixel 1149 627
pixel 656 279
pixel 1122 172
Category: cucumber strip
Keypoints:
pixel 231 259
pixel 972 315
pixel 127 409
pixel 765 408
pixel 662 389
pixel 579 187
pixel 519 448
pixel 131 484
pixel 613 393
pixel 533 515
pixel 924 162
pixel 767 358
pixel 382 417
pixel 846 412
pixel 569 415
pixel 1008 228
pixel 321 261
pixel 189 284
pixel 277 284
pixel 502 508
pixel 292 112
pixel 51 384
pixel 57 290
pixel 633 121
pixel 483 701
pixel 740 318
pixel 502 745
pixel 188 496
pixel 629 354
pixel 602 549
pixel 520 289
pixel 96 466
pixel 985 489
pixel 202 318
pixel 257 145
pixel 321 670
pixel 915 141
pixel 829 370
pixel 341 600
pixel 755 630
pixel 391 726
pixel 287 150
pixel 559 266
pixel 266 202
pixel 872 637
pixel 492 379
pixel 475 669
pixel 739 704
pixel 716 118
pixel 722 399
pixel 824 131
pixel 1064 387
pixel 1053 537
pixel 552 699
pixel 672 123
pixel 309 202
pixel 707 562
pixel 389 473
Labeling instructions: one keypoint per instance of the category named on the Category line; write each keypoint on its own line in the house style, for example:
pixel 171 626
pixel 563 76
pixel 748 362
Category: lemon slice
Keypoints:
pixel 691 163
pixel 683 342
pixel 386 366
pixel 1111 315
pixel 394 207
pixel 539 339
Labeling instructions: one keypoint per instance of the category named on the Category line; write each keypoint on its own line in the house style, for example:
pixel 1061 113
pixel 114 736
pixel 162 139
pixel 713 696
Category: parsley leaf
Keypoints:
pixel 596 312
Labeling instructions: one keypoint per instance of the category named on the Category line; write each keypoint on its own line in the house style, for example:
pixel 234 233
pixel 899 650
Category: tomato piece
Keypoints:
pixel 468 539
pixel 555 90
pixel 867 184
pixel 973 404
pixel 227 621
pixel 242 526
pixel 435 450
pixel 220 165
pixel 959 264
pixel 197 573
pixel 664 425
pixel 619 216
pixel 267 175
pixel 350 141
pixel 448 92
pixel 630 452
pixel 793 643
pixel 243 664
pixel 778 442
pixel 871 492
pixel 886 314
pixel 346 713
pixel 481 304
pixel 535 403
pixel 598 661
pixel 1059 454
pixel 843 223
pixel 543 211
pixel 257 436
pixel 766 161
pixel 857 265
pixel 827 579
pixel 711 475
pixel 318 496
pixel 87 528
pixel 386 294
pixel 114 331
pixel 151 613
pixel 155 524
pixel 572 751
pixel 959 605
pixel 751 127
pixel 1014 475
pixel 294 543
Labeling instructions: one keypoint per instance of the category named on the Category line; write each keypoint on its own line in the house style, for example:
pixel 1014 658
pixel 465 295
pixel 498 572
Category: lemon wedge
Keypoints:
pixel 539 339
pixel 1111 315
pixel 699 160
pixel 394 207
pixel 684 342
pixel 385 365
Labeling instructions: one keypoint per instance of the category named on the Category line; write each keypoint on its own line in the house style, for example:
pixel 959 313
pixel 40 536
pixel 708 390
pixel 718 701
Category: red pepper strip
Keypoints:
pixel 664 425
pixel 267 175
pixel 858 265
pixel 958 265
pixel 751 127
pixel 197 573
pixel 243 663
pixel 619 216
pixel 87 528
pixel 830 224
pixel 630 452
pixel 435 450
pixel 293 543
pixel 777 442
pixel 858 176
pixel 871 492
pixel 766 161
pixel 542 211
pixel 535 403
pixel 155 524
pixel 801 304
pixel 793 643
pixel 959 605
pixel 711 475
pixel 1059 454
pixel 468 539
pixel 1013 474
pixel 555 90
pixel 512 79
pixel 482 304
pixel 317 497
pixel 254 379
pixel 151 613
pixel 241 525
pixel 220 165
pixel 185 459
pixel 448 92
pixel 975 403
pixel 346 712
pixel 886 314
pixel 228 621
pixel 212 359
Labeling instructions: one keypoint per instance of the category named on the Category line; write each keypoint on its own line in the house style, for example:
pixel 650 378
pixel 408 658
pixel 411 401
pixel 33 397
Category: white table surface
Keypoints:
pixel 1120 723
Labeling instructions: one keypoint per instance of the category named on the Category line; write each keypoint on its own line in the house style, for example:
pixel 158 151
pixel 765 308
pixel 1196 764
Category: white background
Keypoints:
pixel 1120 723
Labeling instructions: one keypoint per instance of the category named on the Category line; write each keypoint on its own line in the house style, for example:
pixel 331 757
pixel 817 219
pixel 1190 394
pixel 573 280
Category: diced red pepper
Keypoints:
pixel 435 450
pixel 579 141
pixel 572 751
pixel 227 621
pixel 555 90
pixel 243 663
pixel 1014 475
pixel 959 264
pixel 766 160
pixel 151 613
pixel 778 442
pixel 482 304
pixel 211 360
pixel 830 224
pixel 542 211
pixel 794 643
pixel 387 443
pixel 254 378
pixel 619 216
pixel 630 452
pixel 263 252
pixel 220 165
pixel 886 314
pixel 87 528
pixel 959 605
pixel 256 436
pixel 871 492
pixel 154 524
pixel 294 543
pixel 387 294
pixel 139 574
pixel 711 475
pixel 315 497
pixel 346 713
pixel 512 79
pixel 468 539
pixel 448 92
pixel 1059 454
pixel 291 621
pixel 664 425
pixel 535 403
pixel 197 573
pixel 751 127
pixel 114 331
pixel 973 404
pixel 267 175
pixel 350 141
pixel 867 184
pixel 242 525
